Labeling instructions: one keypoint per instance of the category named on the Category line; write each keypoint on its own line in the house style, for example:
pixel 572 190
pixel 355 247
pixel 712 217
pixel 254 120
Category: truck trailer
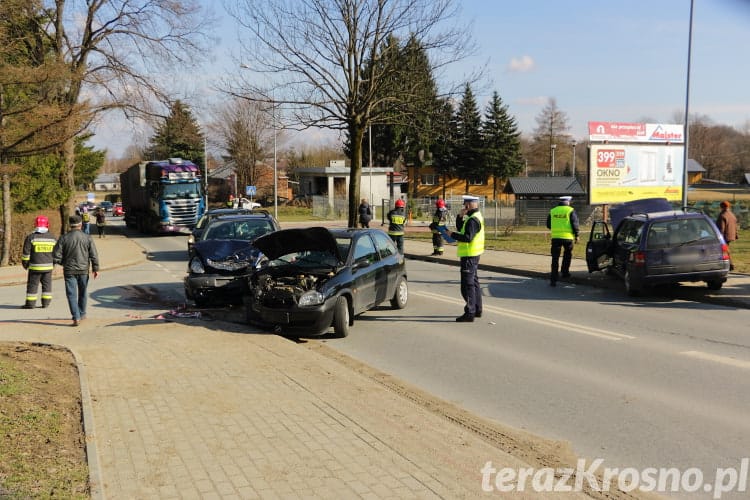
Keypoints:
pixel 161 197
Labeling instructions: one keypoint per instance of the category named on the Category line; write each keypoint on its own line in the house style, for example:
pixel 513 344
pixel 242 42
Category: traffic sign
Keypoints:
pixel 250 190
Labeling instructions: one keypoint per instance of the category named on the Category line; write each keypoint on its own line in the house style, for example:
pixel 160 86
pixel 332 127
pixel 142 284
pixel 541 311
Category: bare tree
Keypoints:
pixel 118 52
pixel 245 131
pixel 318 56
pixel 552 131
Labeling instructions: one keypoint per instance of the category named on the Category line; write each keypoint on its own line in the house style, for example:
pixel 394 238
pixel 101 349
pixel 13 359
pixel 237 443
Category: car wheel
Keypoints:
pixel 714 284
pixel 341 317
pixel 630 286
pixel 401 296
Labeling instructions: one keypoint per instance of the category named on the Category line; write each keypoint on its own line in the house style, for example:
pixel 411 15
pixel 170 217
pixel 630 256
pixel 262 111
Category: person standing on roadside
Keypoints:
pixel 439 218
pixel 470 238
pixel 396 223
pixel 727 224
pixel 101 222
pixel 562 221
pixel 76 252
pixel 37 259
pixel 86 220
pixel 365 213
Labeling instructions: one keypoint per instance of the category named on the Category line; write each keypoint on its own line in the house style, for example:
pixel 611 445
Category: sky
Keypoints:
pixel 600 60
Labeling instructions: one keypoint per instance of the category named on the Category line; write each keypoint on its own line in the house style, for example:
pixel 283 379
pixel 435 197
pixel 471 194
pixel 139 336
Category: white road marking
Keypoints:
pixel 737 363
pixel 584 330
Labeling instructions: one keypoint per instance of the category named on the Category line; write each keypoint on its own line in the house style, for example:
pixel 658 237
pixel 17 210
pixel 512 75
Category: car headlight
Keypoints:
pixel 196 266
pixel 311 298
pixel 191 239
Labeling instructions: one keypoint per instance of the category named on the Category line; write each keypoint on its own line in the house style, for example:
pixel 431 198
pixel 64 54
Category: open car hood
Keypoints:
pixel 286 241
pixel 646 205
pixel 221 249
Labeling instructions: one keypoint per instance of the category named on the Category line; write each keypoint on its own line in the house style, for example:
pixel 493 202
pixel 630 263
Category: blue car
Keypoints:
pixel 654 244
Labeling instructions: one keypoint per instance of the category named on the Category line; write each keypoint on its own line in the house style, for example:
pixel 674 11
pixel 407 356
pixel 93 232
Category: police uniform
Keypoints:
pixel 396 223
pixel 37 259
pixel 470 238
pixel 562 222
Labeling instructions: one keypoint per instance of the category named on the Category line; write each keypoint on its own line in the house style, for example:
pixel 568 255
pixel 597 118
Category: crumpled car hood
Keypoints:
pixel 286 241
pixel 238 252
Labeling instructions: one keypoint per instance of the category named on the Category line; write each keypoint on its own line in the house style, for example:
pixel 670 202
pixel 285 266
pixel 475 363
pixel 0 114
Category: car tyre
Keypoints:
pixel 401 296
pixel 629 287
pixel 341 317
pixel 714 284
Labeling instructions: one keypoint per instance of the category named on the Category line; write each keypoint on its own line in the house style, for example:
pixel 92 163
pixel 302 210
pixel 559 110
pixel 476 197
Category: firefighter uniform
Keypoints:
pixel 439 218
pixel 37 259
pixel 396 223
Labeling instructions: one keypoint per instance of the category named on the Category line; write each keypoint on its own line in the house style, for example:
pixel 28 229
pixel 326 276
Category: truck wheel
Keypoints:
pixel 341 317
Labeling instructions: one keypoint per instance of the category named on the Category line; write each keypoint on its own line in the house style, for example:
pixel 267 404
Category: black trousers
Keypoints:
pixel 566 246
pixel 398 239
pixel 470 290
pixel 32 287
pixel 437 243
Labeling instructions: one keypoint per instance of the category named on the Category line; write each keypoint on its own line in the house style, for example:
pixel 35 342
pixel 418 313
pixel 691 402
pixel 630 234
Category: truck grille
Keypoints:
pixel 183 212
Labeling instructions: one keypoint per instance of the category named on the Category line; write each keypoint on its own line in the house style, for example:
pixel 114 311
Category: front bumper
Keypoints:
pixel 203 285
pixel 314 320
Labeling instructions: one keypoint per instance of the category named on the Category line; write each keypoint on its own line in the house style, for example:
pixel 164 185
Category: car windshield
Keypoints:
pixel 679 232
pixel 247 230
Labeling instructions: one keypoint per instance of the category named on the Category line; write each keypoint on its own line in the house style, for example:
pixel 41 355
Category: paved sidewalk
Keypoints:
pixel 197 409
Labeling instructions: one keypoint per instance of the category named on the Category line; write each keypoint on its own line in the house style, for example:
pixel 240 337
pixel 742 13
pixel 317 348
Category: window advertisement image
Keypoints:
pixel 625 172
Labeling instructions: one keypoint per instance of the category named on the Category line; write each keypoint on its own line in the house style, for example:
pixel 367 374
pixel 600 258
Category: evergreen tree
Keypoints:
pixel 443 152
pixel 178 137
pixel 468 142
pixel 502 142
pixel 88 161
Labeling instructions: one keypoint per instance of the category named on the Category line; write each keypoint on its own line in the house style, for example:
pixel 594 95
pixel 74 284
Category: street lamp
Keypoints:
pixel 574 157
pixel 552 149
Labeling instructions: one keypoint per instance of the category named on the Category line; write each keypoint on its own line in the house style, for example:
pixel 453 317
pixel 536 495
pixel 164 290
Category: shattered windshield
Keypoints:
pixel 247 230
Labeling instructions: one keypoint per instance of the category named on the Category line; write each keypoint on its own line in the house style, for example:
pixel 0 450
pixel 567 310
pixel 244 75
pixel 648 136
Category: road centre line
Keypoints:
pixel 737 363
pixel 584 330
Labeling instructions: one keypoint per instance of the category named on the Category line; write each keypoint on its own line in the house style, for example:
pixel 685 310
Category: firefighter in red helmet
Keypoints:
pixel 438 219
pixel 396 223
pixel 37 260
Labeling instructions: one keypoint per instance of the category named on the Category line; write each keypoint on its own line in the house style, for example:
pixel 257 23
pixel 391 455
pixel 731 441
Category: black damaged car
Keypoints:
pixel 316 278
pixel 224 256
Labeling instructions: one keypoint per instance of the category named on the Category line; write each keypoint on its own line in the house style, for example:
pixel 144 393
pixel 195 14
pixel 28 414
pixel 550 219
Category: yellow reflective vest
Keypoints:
pixel 476 245
pixel 560 225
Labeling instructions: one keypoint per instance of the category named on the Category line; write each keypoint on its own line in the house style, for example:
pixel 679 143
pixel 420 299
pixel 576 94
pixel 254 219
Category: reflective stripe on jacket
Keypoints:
pixel 397 220
pixel 37 252
pixel 560 225
pixel 476 245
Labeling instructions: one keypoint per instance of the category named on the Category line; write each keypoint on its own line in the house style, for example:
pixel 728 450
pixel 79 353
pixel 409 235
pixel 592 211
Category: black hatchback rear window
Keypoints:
pixel 680 232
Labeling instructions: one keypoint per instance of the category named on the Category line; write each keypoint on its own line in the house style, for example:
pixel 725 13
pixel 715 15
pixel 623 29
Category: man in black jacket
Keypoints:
pixel 75 251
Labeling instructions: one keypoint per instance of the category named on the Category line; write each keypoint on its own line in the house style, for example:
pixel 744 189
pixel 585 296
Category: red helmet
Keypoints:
pixel 42 221
pixel 440 203
pixel 400 203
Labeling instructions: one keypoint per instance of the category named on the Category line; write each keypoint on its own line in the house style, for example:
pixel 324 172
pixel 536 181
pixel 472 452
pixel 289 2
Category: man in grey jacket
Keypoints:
pixel 75 251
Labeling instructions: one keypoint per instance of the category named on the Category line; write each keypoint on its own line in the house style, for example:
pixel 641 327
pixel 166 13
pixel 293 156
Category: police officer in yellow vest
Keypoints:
pixel 562 222
pixel 470 238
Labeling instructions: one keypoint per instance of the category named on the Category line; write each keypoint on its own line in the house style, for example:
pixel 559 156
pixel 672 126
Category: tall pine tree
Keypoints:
pixel 178 137
pixel 502 142
pixel 468 142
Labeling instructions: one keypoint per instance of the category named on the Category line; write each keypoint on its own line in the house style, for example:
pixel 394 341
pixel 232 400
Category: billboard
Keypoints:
pixel 636 132
pixel 626 172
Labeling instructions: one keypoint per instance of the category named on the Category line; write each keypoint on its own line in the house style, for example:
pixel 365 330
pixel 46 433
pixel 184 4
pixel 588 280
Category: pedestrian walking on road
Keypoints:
pixel 470 238
pixel 365 213
pixel 101 222
pixel 562 221
pixel 439 218
pixel 396 223
pixel 76 252
pixel 37 259
pixel 727 224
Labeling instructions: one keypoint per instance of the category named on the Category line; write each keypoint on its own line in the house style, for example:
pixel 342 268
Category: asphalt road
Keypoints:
pixel 657 382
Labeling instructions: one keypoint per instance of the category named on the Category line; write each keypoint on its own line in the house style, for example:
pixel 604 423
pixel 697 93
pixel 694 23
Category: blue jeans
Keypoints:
pixel 75 290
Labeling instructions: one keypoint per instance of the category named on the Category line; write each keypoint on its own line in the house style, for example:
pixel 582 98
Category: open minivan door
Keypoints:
pixel 598 248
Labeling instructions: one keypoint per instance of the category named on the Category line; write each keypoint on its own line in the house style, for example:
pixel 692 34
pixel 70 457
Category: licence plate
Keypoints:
pixel 279 317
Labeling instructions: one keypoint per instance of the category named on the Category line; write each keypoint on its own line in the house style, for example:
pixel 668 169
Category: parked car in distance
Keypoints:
pixel 224 256
pixel 118 210
pixel 316 278
pixel 655 244
pixel 207 217
pixel 106 205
